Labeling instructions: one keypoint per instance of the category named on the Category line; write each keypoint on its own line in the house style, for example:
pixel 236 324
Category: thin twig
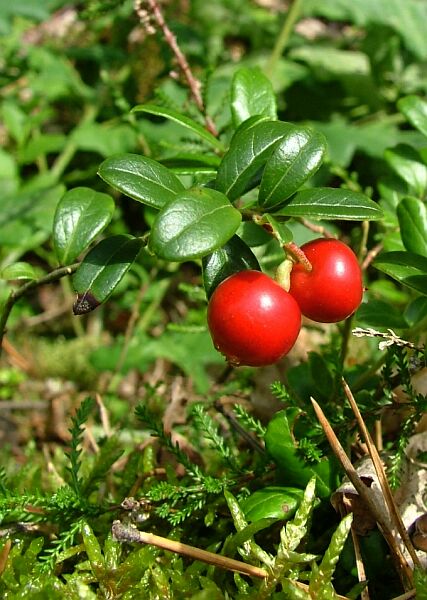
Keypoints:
pixel 284 35
pixel 131 534
pixel 316 228
pixel 372 254
pixel 15 295
pixel 382 478
pixel 403 568
pixel 407 595
pixel 192 82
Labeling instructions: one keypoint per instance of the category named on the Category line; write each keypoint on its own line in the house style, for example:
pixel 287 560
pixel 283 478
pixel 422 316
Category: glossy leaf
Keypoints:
pixel 19 270
pixel 280 231
pixel 249 150
pixel 197 222
pixel 331 203
pixel 415 110
pixel 276 502
pixel 102 270
pixel 173 115
pixel 252 94
pixel 412 215
pixel 406 267
pixel 377 313
pixel 295 159
pixel 232 257
pixel 280 445
pixel 141 178
pixel 80 216
pixel 408 164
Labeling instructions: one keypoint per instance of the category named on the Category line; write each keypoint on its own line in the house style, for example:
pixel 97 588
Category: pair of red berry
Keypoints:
pixel 252 319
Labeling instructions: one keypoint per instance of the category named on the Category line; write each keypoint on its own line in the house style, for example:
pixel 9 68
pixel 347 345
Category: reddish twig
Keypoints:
pixel 192 82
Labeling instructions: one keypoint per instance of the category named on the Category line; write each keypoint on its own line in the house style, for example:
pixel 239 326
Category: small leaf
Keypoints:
pixel 141 178
pixel 232 257
pixel 19 270
pixel 280 445
pixel 331 203
pixel 197 222
pixel 80 216
pixel 102 270
pixel 406 267
pixel 408 164
pixel 250 147
pixel 415 110
pixel 280 231
pixel 276 502
pixel 252 94
pixel 173 115
pixel 295 159
pixel 412 215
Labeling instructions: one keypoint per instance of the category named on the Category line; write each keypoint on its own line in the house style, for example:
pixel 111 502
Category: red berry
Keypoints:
pixel 333 289
pixel 252 320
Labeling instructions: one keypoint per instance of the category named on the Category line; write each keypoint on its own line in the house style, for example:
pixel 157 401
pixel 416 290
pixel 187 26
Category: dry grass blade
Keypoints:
pixel 130 534
pixel 124 533
pixel 382 477
pixel 403 568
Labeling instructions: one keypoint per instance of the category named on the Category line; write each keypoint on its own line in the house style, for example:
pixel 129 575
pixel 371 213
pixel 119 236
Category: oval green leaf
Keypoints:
pixel 173 115
pixel 80 216
pixel 406 267
pixel 19 270
pixel 231 258
pixel 141 178
pixel 295 159
pixel 331 203
pixel 197 222
pixel 102 270
pixel 408 164
pixel 412 215
pixel 415 110
pixel 250 147
pixel 252 94
pixel 275 502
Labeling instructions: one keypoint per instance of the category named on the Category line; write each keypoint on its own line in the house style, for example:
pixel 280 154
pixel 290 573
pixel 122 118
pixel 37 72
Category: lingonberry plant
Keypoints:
pixel 261 176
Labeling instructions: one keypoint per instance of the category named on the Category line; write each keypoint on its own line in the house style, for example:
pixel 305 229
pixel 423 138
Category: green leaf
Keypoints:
pixel 80 216
pixel 412 215
pixel 102 270
pixel 276 502
pixel 295 159
pixel 19 270
pixel 280 445
pixel 249 150
pixel 141 178
pixel 415 110
pixel 197 222
pixel 279 230
pixel 251 94
pixel 406 267
pixel 408 164
pixel 331 203
pixel 173 115
pixel 377 313
pixel 406 18
pixel 234 256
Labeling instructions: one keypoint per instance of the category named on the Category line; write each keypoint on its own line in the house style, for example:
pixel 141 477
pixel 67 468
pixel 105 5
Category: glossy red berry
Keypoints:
pixel 252 320
pixel 333 289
